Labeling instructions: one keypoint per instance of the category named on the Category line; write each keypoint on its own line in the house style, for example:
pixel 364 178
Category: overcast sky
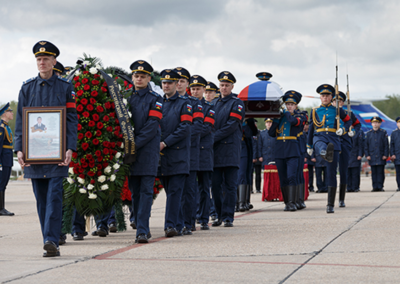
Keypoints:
pixel 295 40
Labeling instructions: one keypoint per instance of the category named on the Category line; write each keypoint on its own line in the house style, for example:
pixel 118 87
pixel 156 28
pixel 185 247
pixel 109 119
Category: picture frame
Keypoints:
pixel 44 135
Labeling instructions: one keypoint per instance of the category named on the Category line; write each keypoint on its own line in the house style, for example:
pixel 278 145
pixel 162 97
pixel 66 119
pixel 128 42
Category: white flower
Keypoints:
pixel 130 114
pixel 119 86
pixel 93 70
pixel 81 180
pixel 122 145
pixel 112 177
pixel 87 63
pixel 68 73
pixel 107 170
pixel 77 73
pixel 118 155
pixel 82 190
pixel 104 187
pixel 110 75
pixel 125 101
pixel 90 186
pixel 101 77
pixel 92 196
pixel 71 170
pixel 101 178
pixel 98 66
pixel 116 166
pixel 70 180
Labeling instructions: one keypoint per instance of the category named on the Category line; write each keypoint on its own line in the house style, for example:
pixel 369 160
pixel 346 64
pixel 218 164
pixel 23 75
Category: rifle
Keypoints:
pixel 348 99
pixel 337 98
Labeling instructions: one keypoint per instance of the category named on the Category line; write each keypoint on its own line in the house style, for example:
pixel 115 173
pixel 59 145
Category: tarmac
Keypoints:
pixel 357 244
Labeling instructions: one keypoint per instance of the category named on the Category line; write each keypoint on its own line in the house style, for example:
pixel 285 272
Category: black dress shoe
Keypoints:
pixel 204 226
pixel 180 233
pixel 187 231
pixel 94 233
pixel 170 232
pixel 228 224
pixel 77 236
pixel 112 227
pixel 398 189
pixel 62 240
pixel 5 212
pixel 193 229
pixel 329 209
pixel 141 239
pixel 213 217
pixel 341 203
pixel 133 225
pixel 198 221
pixel 357 190
pixel 148 235
pixel 101 232
pixel 258 191
pixel 216 223
pixel 51 249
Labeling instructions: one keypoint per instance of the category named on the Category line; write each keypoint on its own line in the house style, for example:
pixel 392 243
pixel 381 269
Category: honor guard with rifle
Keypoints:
pixel 323 136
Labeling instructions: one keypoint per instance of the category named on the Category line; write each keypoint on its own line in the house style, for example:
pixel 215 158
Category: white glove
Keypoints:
pixel 339 132
pixel 1 169
pixel 310 151
pixel 351 133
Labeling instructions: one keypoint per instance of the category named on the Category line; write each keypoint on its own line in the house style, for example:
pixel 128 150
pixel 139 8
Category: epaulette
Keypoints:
pixel 64 80
pixel 182 97
pixel 236 98
pixel 29 80
pixel 2 125
pixel 193 98
pixel 395 130
pixel 383 130
pixel 208 103
pixel 154 93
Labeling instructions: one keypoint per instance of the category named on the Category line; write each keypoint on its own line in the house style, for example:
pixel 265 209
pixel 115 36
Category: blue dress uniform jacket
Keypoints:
pixel 206 162
pixel 146 108
pixel 228 131
pixel 266 144
pixel 376 146
pixel 195 131
pixel 395 145
pixel 38 92
pixel 6 145
pixel 175 132
pixel 357 149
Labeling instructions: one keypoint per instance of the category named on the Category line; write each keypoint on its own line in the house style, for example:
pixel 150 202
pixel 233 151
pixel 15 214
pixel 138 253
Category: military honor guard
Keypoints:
pixel 6 155
pixel 395 151
pixel 256 162
pixel 300 171
pixel 186 221
pixel 206 161
pixel 376 149
pixel 266 144
pixel 346 145
pixel 174 147
pixel 310 162
pixel 324 137
pixel 287 150
pixel 146 107
pixel 354 169
pixel 47 179
pixel 227 143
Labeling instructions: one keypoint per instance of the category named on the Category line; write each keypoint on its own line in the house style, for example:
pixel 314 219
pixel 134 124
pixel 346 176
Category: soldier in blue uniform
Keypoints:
pixel 395 151
pixel 300 171
pixel 227 140
pixel 59 69
pixel 324 137
pixel 6 155
pixel 310 161
pixel 266 144
pixel 356 154
pixel 256 163
pixel 287 151
pixel 174 147
pixel 186 222
pixel 376 149
pixel 146 107
pixel 346 145
pixel 47 89
pixel 206 162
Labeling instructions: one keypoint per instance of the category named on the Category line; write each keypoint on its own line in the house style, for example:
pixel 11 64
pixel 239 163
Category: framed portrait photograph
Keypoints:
pixel 43 134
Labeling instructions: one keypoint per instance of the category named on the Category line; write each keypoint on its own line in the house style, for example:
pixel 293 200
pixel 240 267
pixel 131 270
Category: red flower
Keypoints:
pixel 116 121
pixel 99 159
pixel 76 170
pixel 116 78
pixel 120 136
pixel 76 78
pixel 98 153
pixel 125 83
pixel 86 87
pixel 91 165
pixel 105 165
pixel 96 141
pixel 112 105
pixel 100 109
pixel 79 126
pixel 92 181
pixel 85 80
pixel 79 116
pixel 118 128
pixel 85 114
pixel 130 86
pixel 107 105
pixel 81 170
pixel 77 85
pixel 99 167
pixel 79 108
pixel 90 173
pixel 106 118
pixel 104 90
pixel 96 76
pixel 94 93
pixel 116 132
pixel 88 134
pixel 96 117
pixel 92 101
pixel 105 143
pixel 100 125
pixel 105 84
pixel 90 107
pixel 113 145
pixel 98 133
pixel 112 114
pixel 79 93
pixel 74 155
pixel 109 128
pixel 85 165
pixel 119 143
pixel 105 151
pixel 92 123
pixel 89 156
pixel 80 136
pixel 85 146
pixel 82 176
pixel 85 72
pixel 84 101
pixel 95 82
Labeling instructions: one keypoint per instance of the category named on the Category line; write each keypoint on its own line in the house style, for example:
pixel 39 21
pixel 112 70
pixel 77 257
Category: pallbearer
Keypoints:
pixel 395 150
pixel 287 151
pixel 300 171
pixel 323 137
pixel 377 151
